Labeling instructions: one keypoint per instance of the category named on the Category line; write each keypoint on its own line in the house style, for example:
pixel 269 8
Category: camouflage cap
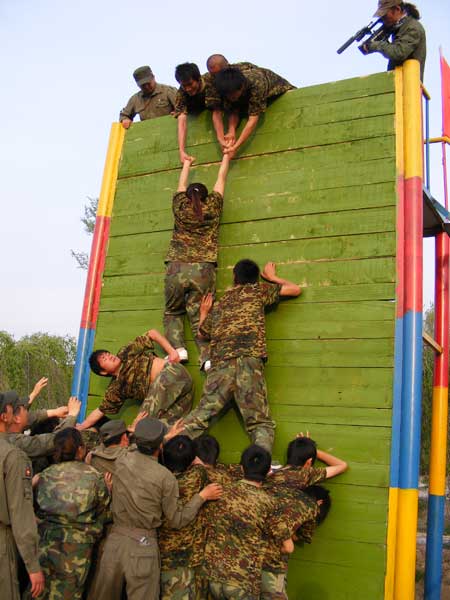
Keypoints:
pixel 143 75
pixel 385 5
pixel 150 432
pixel 112 429
pixel 12 397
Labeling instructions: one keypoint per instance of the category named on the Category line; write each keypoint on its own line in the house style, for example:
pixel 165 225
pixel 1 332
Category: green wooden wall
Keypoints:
pixel 315 191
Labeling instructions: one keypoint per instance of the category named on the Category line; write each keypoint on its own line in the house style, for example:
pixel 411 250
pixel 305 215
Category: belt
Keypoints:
pixel 139 535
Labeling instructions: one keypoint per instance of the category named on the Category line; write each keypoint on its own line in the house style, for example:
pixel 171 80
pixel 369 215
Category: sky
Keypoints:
pixel 67 71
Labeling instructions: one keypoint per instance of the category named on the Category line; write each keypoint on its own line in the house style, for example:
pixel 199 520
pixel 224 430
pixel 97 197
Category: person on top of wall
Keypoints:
pixel 153 100
pixel 408 35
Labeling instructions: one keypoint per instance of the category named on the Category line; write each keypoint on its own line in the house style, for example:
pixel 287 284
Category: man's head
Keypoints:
pixel 207 449
pixel 255 463
pixel 245 271
pixel 390 11
pixel 149 435
pixel 215 63
pixel 145 79
pixel 230 83
pixel 6 412
pixel 103 363
pixel 19 421
pixel 322 496
pixel 114 433
pixel 188 76
pixel 302 452
pixel 178 453
pixel 68 445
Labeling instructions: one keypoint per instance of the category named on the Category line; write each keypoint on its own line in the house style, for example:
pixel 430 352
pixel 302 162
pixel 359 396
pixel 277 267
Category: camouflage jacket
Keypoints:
pixel 408 41
pixel 261 84
pixel 295 478
pixel 194 240
pixel 161 102
pixel 236 324
pixel 235 546
pixel 133 380
pixel 186 104
pixel 213 100
pixel 72 502
pixel 178 547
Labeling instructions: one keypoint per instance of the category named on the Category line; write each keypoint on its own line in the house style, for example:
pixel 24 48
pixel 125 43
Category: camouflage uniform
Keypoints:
pixel 72 501
pixel 168 397
pixel 181 551
pixel 235 547
pixel 17 522
pixel 191 262
pixel 159 103
pixel 408 41
pixel 260 86
pixel 236 328
pixel 213 101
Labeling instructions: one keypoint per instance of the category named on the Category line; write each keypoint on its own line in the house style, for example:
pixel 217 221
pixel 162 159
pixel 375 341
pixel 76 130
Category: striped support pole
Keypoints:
pixel 411 392
pixel 398 366
pixel 80 382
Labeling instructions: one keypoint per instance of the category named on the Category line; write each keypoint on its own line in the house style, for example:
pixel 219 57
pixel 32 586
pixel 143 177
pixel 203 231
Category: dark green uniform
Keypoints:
pixel 235 548
pixel 159 103
pixel 408 41
pixel 72 501
pixel 143 491
pixel 236 329
pixel 36 446
pixel 168 397
pixel 17 522
pixel 191 265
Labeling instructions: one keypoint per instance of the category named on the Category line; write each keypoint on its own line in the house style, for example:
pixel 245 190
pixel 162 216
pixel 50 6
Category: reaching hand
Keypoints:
pixel 176 429
pixel 269 271
pixel 206 305
pixel 186 158
pixel 299 435
pixel 38 387
pixel 230 138
pixel 109 481
pixel 61 412
pixel 74 406
pixel 231 150
pixel 173 356
pixel 142 415
pixel 213 491
pixel 37 583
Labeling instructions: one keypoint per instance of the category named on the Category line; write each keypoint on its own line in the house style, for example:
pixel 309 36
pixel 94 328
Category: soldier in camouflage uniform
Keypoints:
pixel 192 256
pixel 182 550
pixel 153 100
pixel 408 38
pixel 235 548
pixel 72 501
pixel 163 386
pixel 236 329
pixel 242 92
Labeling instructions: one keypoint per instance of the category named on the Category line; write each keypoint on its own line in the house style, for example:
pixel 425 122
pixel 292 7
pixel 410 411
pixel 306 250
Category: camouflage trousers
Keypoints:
pixel 65 566
pixel 223 591
pixel 184 286
pixel 178 584
pixel 273 586
pixel 243 379
pixel 171 394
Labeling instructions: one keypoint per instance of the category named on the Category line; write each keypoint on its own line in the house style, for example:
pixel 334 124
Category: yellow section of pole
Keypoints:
pixel 107 191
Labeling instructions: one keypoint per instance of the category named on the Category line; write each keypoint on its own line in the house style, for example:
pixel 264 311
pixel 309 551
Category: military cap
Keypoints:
pixel 150 432
pixel 112 429
pixel 12 397
pixel 143 75
pixel 385 5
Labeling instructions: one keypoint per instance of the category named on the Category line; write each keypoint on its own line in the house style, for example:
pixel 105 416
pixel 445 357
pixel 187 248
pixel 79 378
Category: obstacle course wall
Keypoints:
pixel 315 191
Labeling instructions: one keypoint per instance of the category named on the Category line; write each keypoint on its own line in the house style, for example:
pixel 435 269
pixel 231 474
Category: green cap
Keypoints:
pixel 12 397
pixel 385 5
pixel 112 429
pixel 150 432
pixel 143 75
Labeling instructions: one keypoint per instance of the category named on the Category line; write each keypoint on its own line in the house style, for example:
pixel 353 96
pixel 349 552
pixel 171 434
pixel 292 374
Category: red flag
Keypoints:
pixel 445 76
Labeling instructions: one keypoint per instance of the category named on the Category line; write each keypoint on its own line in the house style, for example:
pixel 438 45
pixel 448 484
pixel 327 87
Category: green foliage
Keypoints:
pixel 88 220
pixel 25 361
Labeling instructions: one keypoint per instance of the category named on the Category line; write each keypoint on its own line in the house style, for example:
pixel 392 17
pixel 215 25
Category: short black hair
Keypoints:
pixel 317 492
pixel 246 271
pixel 300 450
pixel 207 449
pixel 178 453
pixel 187 71
pixel 114 440
pixel 255 462
pixel 229 80
pixel 94 364
pixel 66 443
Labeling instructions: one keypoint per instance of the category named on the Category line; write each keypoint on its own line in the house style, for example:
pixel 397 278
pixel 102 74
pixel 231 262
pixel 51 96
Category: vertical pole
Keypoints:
pixel 404 586
pixel 438 452
pixel 427 144
pixel 80 381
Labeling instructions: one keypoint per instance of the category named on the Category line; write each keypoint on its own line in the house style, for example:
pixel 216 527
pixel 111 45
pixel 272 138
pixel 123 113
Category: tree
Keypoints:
pixel 88 220
pixel 24 361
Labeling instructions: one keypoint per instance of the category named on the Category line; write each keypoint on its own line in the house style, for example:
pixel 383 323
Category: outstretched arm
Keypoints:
pixel 91 419
pixel 222 174
pixel 182 132
pixel 245 134
pixel 162 341
pixel 184 175
pixel 287 287
pixel 38 387
pixel 335 466
pixel 217 119
pixel 233 121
